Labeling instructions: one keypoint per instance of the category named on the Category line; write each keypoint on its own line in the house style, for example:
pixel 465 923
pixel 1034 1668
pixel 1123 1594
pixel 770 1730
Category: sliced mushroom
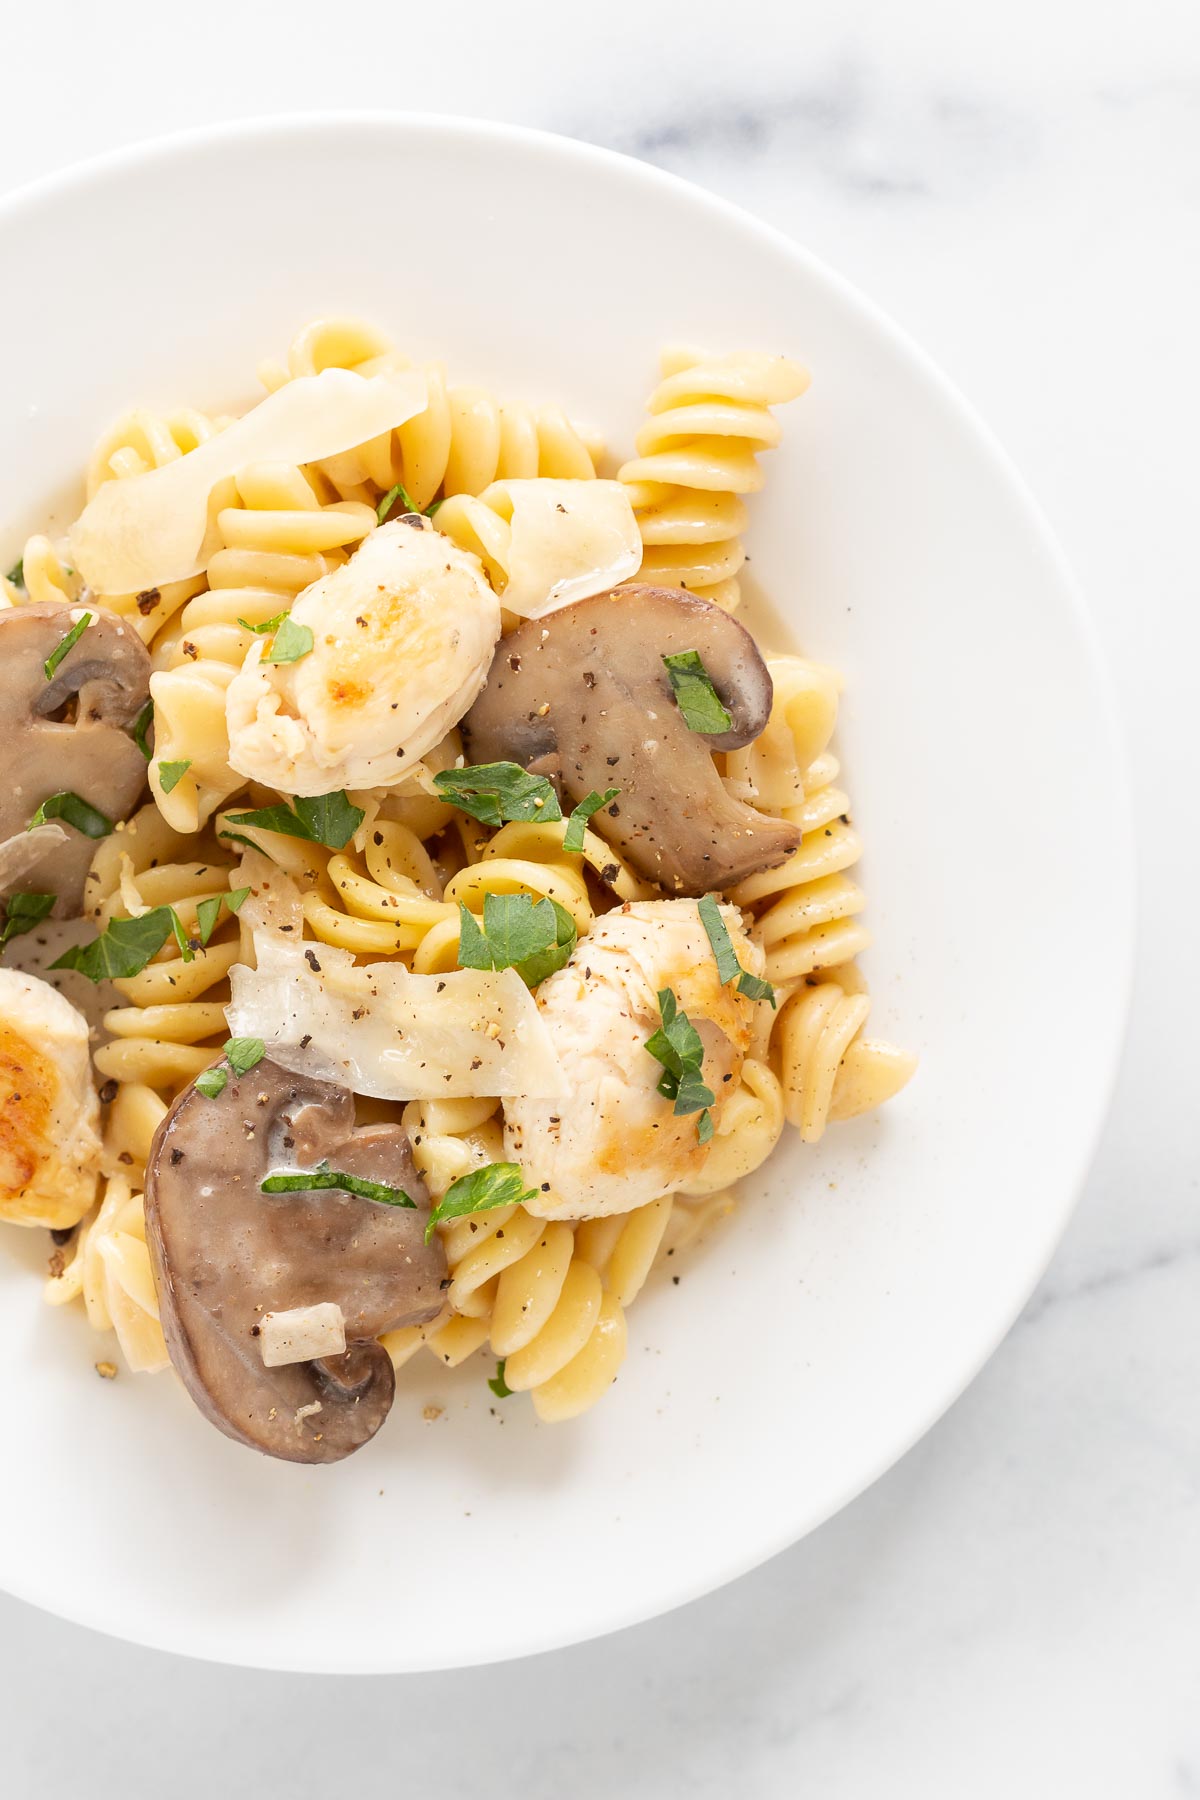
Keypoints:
pixel 583 697
pixel 225 1254
pixel 68 733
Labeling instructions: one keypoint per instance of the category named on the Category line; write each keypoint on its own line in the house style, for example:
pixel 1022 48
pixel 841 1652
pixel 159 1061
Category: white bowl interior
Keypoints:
pixel 863 1280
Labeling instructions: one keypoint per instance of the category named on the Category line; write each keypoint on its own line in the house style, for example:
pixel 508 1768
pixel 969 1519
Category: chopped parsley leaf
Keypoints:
pixel 495 1184
pixel 498 1384
pixel 170 774
pixel 678 1046
pixel 72 811
pixel 532 937
pixel 22 912
pixel 303 1181
pixel 125 946
pixel 267 626
pixel 327 819
pixel 498 793
pixel 695 694
pixel 291 642
pixel 66 645
pixel 244 1053
pixel 400 493
pixel 577 823
pixel 207 910
pixel 728 966
pixel 141 726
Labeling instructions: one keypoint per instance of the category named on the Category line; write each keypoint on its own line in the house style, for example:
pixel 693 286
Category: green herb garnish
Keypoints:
pixel 577 823
pixel 303 1181
pixel 212 1082
pixel 207 910
pixel 292 641
pixel 532 937
pixel 125 946
pixel 73 811
pixel 496 1184
pixel 401 493
pixel 244 1053
pixel 695 694
pixel 141 725
pixel 497 793
pixel 22 912
pixel 66 645
pixel 17 573
pixel 206 917
pixel 327 819
pixel 498 1384
pixel 181 937
pixel 267 624
pixel 728 966
pixel 678 1046
pixel 170 774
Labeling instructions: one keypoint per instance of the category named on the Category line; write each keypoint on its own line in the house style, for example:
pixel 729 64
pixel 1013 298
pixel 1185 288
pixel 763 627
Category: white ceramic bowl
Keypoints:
pixel 864 1280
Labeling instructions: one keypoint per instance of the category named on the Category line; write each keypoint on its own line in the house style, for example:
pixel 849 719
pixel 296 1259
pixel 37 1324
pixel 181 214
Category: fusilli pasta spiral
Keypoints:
pixel 111 1272
pixel 696 457
pixel 174 1020
pixel 464 440
pixel 830 1070
pixel 549 1298
pixel 806 911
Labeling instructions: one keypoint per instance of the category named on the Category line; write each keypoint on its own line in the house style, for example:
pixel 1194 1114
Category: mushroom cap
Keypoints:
pixel 224 1254
pixel 583 697
pixel 105 681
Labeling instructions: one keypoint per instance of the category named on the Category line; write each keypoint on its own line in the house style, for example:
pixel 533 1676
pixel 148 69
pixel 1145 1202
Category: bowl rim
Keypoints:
pixel 1122 899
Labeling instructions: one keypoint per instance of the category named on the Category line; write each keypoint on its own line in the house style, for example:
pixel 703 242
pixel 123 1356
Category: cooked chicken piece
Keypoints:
pixel 617 1142
pixel 403 636
pixel 49 1113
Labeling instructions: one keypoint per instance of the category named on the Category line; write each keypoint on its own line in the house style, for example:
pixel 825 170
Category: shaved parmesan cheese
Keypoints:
pixel 302 1333
pixel 384 1031
pixel 569 539
pixel 147 530
pixel 20 854
pixel 274 899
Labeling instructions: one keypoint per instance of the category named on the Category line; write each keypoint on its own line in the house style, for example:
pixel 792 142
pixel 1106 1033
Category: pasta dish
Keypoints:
pixel 423 900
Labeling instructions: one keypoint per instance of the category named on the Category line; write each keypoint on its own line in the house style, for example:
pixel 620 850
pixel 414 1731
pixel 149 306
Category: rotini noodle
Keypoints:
pixel 548 1297
pixel 174 1020
pixel 138 442
pixel 111 1272
pixel 464 440
pixel 696 457
pixel 807 908
pixel 806 911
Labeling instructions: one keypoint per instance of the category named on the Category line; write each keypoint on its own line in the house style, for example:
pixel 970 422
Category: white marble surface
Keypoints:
pixel 1014 1610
